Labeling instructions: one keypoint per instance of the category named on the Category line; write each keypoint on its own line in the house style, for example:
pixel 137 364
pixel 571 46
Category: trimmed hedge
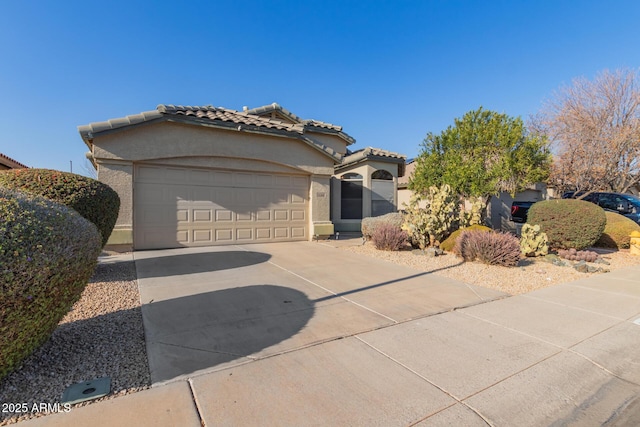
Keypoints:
pixel 368 225
pixel 568 223
pixel 92 199
pixel 48 253
pixel 449 243
pixel 617 231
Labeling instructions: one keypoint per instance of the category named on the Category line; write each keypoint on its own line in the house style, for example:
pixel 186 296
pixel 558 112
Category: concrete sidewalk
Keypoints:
pixel 564 355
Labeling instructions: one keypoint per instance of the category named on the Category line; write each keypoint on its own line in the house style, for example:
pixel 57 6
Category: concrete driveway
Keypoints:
pixel 208 309
pixel 306 334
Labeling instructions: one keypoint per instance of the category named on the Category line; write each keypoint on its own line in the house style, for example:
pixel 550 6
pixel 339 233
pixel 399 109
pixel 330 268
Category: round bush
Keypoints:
pixel 48 252
pixel 92 199
pixel 617 232
pixel 568 223
pixel 368 225
pixel 449 243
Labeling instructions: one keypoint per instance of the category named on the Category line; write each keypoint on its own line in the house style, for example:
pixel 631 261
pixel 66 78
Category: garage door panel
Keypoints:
pixel 244 233
pixel 212 207
pixel 182 215
pixel 203 236
pixel 244 197
pixel 202 215
pixel 224 215
pixel 281 232
pixel 298 199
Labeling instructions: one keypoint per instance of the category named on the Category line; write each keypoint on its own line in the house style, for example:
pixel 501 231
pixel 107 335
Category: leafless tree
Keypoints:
pixel 89 169
pixel 594 129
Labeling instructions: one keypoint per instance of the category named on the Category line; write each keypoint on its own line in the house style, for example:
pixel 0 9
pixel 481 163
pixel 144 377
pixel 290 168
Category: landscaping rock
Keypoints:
pixel 433 252
pixel 582 267
pixel 555 260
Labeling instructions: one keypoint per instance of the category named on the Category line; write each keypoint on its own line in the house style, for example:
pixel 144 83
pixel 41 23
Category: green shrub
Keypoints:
pixel 369 224
pixel 450 241
pixel 47 254
pixel 92 199
pixel 616 232
pixel 389 237
pixel 493 248
pixel 568 223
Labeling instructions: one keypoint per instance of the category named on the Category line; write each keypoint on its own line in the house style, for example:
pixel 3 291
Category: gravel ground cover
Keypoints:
pixel 101 336
pixel 529 275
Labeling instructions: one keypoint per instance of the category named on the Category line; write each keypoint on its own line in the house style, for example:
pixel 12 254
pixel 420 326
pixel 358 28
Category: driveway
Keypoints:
pixel 305 334
pixel 208 309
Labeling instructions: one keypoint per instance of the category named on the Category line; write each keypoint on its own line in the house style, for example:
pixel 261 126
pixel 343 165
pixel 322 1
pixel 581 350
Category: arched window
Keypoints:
pixel 382 174
pixel 382 193
pixel 351 196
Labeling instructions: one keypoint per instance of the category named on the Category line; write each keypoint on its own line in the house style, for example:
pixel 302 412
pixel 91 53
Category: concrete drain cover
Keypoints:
pixel 89 390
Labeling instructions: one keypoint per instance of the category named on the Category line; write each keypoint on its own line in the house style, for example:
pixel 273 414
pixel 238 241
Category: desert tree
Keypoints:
pixel 594 129
pixel 482 154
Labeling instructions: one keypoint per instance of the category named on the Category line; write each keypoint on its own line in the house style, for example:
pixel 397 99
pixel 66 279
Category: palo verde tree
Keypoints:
pixel 594 128
pixel 482 154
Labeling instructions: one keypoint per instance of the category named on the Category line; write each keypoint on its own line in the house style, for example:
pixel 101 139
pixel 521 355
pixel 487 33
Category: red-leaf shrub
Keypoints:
pixel 388 237
pixel 493 248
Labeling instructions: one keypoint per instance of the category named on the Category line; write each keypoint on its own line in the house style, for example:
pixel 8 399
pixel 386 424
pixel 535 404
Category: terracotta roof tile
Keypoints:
pixel 371 153
pixel 222 117
pixel 9 162
pixel 231 116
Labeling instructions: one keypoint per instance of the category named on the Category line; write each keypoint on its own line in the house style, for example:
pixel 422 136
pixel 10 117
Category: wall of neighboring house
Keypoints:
pixel 499 210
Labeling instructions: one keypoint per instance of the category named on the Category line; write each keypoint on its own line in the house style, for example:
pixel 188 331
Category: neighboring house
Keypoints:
pixel 7 162
pixel 499 212
pixel 199 176
pixel 404 194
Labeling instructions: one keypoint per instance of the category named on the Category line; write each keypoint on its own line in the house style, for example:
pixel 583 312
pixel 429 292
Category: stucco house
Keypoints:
pixel 200 176
pixel 7 162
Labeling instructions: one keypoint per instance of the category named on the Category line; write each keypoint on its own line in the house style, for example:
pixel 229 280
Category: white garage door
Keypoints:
pixel 176 207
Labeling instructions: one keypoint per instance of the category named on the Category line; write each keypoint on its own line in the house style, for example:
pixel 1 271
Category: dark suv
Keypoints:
pixel 624 204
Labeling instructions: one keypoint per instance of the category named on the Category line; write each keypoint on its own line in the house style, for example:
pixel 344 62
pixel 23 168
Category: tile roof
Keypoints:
pixel 317 124
pixel 231 116
pixel 371 153
pixel 9 162
pixel 222 117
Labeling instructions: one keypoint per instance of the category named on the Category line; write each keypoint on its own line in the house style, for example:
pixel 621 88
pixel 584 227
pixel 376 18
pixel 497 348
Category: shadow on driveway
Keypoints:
pixel 190 263
pixel 201 331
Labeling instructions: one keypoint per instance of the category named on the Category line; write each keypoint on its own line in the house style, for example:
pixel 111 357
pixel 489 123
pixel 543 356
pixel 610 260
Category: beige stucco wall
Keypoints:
pixel 197 146
pixel 366 169
pixel 336 143
pixel 119 176
pixel 173 140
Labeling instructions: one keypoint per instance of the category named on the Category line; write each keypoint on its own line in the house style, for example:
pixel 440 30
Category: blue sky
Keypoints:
pixel 387 71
